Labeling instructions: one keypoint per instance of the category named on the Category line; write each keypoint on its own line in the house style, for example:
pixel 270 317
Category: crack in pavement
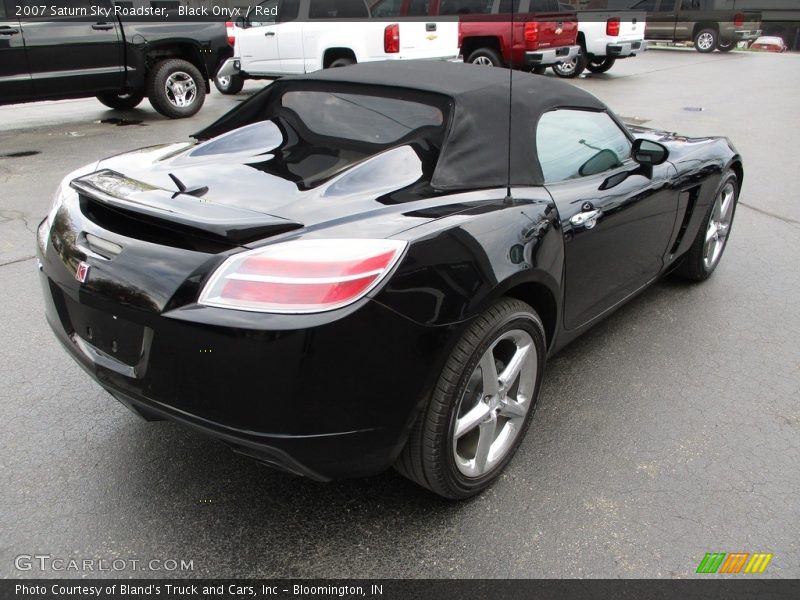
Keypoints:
pixel 17 260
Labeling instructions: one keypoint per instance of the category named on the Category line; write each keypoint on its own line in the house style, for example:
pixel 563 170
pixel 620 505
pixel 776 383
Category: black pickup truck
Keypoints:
pixel 47 56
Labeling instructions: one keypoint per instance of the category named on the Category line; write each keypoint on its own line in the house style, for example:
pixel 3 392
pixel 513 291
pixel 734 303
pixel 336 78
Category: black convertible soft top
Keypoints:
pixel 475 150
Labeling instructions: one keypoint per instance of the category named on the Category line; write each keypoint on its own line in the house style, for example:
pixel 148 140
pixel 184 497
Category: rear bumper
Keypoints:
pixel 232 66
pixel 334 399
pixel 551 56
pixel 626 49
pixel 746 35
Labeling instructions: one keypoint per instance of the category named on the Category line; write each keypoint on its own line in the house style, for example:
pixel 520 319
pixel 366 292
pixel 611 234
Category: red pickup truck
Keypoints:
pixel 540 36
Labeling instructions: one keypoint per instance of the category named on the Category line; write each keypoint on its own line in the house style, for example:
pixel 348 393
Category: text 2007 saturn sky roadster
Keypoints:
pixel 367 267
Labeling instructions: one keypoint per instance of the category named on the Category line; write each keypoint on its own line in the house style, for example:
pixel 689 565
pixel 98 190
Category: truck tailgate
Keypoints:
pixel 631 25
pixel 428 39
pixel 556 29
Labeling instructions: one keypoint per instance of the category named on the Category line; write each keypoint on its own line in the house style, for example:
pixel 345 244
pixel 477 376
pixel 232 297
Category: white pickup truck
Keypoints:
pixel 288 37
pixel 604 36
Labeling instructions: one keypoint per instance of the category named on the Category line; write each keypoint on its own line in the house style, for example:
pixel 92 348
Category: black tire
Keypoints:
pixel 185 74
pixel 726 45
pixel 538 70
pixel 429 455
pixel 573 69
pixel 229 85
pixel 693 265
pixel 602 65
pixel 486 57
pixel 706 40
pixel 342 62
pixel 121 101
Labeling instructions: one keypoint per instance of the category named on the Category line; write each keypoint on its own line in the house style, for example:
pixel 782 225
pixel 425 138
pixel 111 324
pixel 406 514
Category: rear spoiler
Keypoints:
pixel 238 225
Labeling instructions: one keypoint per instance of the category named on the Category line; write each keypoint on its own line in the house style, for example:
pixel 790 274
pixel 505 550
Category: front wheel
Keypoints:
pixel 707 248
pixel 601 65
pixel 121 101
pixel 229 84
pixel 571 68
pixel 175 88
pixel 482 404
pixel 705 40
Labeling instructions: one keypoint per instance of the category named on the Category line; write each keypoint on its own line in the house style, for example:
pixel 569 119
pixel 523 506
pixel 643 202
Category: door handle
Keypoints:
pixel 586 219
pixel 102 26
pixel 430 26
pixel 269 34
pixel 6 30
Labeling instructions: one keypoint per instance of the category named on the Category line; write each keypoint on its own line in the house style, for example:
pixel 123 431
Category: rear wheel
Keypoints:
pixel 705 40
pixel 482 404
pixel 571 68
pixel 341 62
pixel 601 65
pixel 229 84
pixel 707 248
pixel 726 45
pixel 121 101
pixel 175 88
pixel 486 57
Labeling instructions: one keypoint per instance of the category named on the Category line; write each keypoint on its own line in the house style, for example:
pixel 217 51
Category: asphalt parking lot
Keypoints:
pixel 670 430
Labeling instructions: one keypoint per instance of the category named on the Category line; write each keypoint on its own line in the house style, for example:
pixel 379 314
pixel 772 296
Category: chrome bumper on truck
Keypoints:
pixel 625 49
pixel 551 56
pixel 745 35
pixel 232 66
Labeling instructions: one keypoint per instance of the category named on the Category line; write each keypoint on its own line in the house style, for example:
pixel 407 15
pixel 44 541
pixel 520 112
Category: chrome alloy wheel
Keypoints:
pixel 224 81
pixel 180 89
pixel 484 61
pixel 705 41
pixel 566 67
pixel 492 410
pixel 719 224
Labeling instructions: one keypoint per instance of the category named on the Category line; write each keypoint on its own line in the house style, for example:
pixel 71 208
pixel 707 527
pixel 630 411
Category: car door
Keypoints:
pixel 15 78
pixel 661 21
pixel 73 55
pixel 616 220
pixel 290 37
pixel 258 42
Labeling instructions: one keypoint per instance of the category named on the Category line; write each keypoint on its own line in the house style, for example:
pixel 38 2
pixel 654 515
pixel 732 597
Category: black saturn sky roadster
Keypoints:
pixel 367 267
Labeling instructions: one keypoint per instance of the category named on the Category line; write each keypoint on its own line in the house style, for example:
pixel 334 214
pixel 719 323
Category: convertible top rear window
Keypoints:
pixel 359 117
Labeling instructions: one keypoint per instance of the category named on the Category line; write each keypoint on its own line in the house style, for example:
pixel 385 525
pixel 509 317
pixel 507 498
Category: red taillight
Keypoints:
pixel 738 20
pixel 612 27
pixel 531 32
pixel 391 38
pixel 303 276
pixel 231 31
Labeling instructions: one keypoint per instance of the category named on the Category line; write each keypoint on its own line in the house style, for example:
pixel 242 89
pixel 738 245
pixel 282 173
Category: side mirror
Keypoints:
pixel 649 153
pixel 241 22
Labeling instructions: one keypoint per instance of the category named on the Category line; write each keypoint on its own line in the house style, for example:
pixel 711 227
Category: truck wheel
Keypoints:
pixel 726 45
pixel 175 88
pixel 601 65
pixel 538 70
pixel 705 40
pixel 571 68
pixel 341 62
pixel 119 101
pixel 229 84
pixel 487 57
